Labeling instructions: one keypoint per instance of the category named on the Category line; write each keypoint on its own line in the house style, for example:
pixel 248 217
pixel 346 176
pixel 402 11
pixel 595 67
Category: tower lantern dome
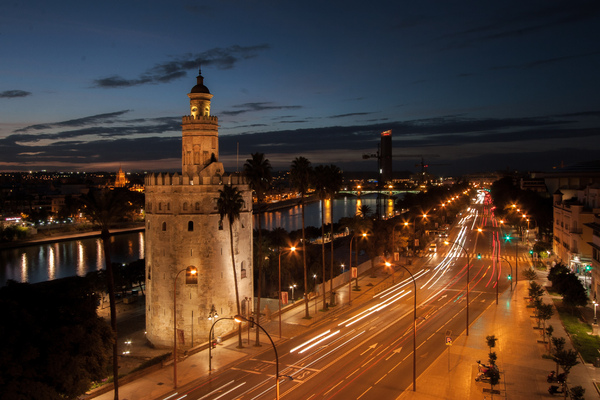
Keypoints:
pixel 200 88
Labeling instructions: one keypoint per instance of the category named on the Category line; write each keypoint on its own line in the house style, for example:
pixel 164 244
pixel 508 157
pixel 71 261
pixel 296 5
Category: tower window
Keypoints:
pixel 159 206
pixel 197 206
pixel 164 226
pixel 185 206
pixel 190 226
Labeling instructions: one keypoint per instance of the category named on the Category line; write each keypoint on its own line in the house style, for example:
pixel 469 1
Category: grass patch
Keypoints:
pixel 586 344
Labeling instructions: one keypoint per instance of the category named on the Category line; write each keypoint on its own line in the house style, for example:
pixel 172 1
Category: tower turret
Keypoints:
pixel 200 142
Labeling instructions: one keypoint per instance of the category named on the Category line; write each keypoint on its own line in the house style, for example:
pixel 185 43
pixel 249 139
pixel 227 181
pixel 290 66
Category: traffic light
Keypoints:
pixel 507 238
pixel 530 252
pixel 509 277
pixel 588 268
pixel 479 256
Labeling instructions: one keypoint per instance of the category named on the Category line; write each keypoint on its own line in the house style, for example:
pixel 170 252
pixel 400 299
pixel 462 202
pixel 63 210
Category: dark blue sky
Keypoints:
pixel 472 86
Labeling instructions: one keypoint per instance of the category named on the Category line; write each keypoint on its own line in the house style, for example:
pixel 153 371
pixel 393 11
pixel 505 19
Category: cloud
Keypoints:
pixel 547 61
pixel 350 114
pixel 146 143
pixel 525 19
pixel 9 94
pixel 93 119
pixel 257 107
pixel 222 58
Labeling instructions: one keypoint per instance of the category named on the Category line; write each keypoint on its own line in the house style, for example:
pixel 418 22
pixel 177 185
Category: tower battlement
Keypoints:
pixel 167 179
pixel 199 119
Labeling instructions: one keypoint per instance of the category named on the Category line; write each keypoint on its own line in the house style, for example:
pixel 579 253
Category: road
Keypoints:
pixel 367 351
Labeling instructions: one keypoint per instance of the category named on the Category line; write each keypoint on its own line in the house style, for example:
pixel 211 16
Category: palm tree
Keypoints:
pixel 320 184
pixel 258 172
pixel 105 207
pixel 230 204
pixel 300 174
pixel 334 184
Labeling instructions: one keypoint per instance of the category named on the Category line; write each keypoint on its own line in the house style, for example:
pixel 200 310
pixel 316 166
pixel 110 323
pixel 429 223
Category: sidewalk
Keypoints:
pixel 523 371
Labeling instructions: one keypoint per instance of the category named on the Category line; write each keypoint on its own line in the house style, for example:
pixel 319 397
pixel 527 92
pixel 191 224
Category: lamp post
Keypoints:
pixel 212 314
pixel 414 325
pixel 191 278
pixel 316 297
pixel 292 287
pixel 511 271
pixel 468 267
pixel 350 267
pixel 239 319
pixel 595 305
pixel 292 249
pixel 211 334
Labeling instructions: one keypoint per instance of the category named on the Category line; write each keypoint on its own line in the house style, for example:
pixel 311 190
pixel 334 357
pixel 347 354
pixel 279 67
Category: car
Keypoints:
pixel 432 248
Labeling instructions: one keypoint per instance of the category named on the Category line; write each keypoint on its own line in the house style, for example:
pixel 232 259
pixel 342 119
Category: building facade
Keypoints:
pixel 572 234
pixel 184 228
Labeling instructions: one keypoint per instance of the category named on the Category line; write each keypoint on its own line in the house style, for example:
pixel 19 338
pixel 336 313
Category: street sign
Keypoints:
pixel 354 272
pixel 284 298
pixel 448 341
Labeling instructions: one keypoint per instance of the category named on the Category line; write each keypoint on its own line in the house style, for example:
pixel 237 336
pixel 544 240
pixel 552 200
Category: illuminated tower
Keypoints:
pixel 386 157
pixel 183 228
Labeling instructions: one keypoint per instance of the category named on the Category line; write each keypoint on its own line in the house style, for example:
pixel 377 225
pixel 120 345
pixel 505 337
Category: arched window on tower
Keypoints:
pixel 190 226
pixel 159 206
pixel 164 226
pixel 243 271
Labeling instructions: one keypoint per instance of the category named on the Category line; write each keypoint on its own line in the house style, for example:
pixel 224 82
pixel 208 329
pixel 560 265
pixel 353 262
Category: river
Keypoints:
pixel 43 262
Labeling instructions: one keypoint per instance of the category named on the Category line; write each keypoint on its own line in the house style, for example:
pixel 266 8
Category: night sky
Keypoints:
pixel 469 86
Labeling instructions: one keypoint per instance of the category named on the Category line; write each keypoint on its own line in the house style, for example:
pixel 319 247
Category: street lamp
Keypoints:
pixel 364 234
pixel 239 319
pixel 595 305
pixel 212 314
pixel 511 271
pixel 414 325
pixel 316 297
pixel 292 287
pixel 468 267
pixel 191 277
pixel 211 334
pixel 292 249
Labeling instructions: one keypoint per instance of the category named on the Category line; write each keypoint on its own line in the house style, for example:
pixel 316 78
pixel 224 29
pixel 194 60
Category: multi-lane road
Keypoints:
pixel 366 352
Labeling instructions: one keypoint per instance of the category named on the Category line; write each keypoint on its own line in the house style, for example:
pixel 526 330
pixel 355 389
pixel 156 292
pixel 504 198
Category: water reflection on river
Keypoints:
pixel 291 219
pixel 45 262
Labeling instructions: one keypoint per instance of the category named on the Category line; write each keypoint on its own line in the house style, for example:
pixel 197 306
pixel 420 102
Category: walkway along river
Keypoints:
pixel 53 260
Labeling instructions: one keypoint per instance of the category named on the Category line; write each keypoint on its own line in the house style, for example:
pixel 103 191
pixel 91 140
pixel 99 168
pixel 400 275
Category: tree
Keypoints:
pixel 230 204
pixel 105 207
pixel 567 359
pixel 549 332
pixel 334 184
pixel 258 172
pixel 491 341
pixel 319 181
pixel 300 174
pixel 544 313
pixel 529 274
pixel 559 345
pixel 577 393
pixel 574 294
pixel 535 291
pixel 556 273
pixel 53 343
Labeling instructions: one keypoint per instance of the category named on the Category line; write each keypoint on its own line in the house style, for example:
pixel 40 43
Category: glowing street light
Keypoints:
pixel 291 250
pixel 191 277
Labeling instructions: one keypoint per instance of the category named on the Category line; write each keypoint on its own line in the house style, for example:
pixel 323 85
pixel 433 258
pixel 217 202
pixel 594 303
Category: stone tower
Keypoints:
pixel 183 228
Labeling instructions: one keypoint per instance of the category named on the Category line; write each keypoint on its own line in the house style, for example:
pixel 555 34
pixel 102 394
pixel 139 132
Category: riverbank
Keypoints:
pixel 61 236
